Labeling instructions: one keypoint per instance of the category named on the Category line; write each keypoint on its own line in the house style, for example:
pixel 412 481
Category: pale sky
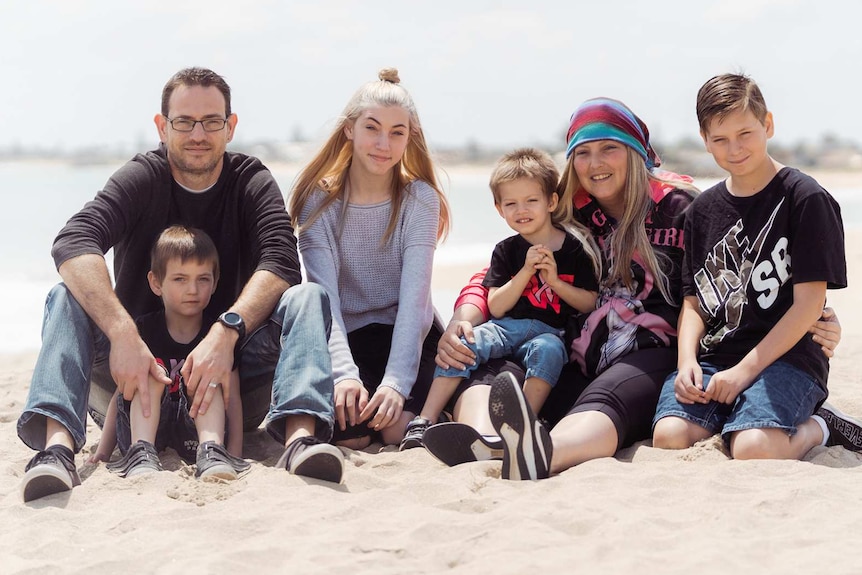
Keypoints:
pixel 502 73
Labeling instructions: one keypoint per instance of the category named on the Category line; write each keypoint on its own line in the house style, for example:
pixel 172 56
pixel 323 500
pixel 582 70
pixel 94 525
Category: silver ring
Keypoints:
pixel 213 384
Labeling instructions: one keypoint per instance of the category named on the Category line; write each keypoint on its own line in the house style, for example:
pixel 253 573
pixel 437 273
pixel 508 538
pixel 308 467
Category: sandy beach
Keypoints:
pixel 656 511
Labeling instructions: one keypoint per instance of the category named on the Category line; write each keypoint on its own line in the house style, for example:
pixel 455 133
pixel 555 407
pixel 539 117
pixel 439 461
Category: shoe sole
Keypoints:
pixel 526 443
pixel 222 472
pixel 322 461
pixel 845 429
pixel 140 470
pixel 43 480
pixel 456 443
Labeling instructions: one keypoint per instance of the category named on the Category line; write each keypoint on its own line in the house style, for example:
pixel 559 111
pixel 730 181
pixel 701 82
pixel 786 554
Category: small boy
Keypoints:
pixel 761 249
pixel 184 271
pixel 537 279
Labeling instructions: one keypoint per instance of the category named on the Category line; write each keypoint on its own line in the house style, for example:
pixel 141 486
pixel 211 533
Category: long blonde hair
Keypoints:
pixel 328 169
pixel 629 237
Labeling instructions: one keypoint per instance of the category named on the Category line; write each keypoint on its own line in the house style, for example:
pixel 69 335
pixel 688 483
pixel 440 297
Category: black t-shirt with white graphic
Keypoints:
pixel 744 254
pixel 538 301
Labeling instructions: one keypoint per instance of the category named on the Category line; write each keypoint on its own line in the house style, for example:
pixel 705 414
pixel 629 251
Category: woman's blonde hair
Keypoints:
pixel 328 169
pixel 629 237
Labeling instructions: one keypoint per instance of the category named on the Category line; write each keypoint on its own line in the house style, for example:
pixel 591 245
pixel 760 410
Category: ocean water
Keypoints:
pixel 38 198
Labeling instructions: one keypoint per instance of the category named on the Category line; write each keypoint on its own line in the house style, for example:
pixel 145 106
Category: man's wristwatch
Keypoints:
pixel 233 321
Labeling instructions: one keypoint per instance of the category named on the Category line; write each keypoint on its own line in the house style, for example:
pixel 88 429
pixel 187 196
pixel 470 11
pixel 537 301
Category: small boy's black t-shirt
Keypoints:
pixel 538 301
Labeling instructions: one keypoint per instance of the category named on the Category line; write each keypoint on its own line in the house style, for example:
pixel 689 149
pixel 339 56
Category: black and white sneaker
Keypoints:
pixel 141 459
pixel 413 434
pixel 456 443
pixel 310 457
pixel 844 430
pixel 527 444
pixel 214 462
pixel 48 472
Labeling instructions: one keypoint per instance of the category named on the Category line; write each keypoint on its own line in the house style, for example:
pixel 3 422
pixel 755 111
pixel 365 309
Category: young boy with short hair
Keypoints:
pixel 184 270
pixel 537 279
pixel 761 249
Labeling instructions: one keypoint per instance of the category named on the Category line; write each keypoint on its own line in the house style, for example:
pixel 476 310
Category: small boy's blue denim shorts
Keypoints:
pixel 781 397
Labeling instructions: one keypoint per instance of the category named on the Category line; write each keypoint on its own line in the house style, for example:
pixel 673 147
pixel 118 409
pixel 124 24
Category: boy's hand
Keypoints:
pixel 547 266
pixel 451 351
pixel 99 455
pixel 827 332
pixel 388 404
pixel 533 258
pixel 725 386
pixel 351 397
pixel 688 384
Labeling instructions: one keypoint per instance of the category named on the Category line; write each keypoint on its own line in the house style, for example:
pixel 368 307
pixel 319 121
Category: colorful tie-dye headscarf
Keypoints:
pixel 607 119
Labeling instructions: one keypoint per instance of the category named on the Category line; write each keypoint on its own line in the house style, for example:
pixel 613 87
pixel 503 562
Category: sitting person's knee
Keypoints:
pixel 671 433
pixel 753 444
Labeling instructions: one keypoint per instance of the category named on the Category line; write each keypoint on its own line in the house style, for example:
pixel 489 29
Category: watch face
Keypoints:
pixel 232 318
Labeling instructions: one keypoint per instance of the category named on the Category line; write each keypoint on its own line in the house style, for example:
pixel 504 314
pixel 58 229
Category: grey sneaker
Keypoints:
pixel 843 429
pixel 140 459
pixel 310 457
pixel 48 472
pixel 214 462
pixel 413 434
pixel 527 444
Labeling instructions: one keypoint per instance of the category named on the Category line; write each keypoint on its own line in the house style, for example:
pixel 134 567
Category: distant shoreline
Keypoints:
pixel 829 178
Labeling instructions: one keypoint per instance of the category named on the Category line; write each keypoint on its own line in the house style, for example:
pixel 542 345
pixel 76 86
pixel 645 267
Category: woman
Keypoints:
pixel 622 352
pixel 370 212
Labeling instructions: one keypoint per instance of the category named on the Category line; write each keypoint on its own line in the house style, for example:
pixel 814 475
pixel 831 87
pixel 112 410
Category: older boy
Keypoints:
pixel 761 248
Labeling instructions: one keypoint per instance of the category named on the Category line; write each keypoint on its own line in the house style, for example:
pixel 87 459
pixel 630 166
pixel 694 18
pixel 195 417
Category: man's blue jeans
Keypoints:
pixel 285 368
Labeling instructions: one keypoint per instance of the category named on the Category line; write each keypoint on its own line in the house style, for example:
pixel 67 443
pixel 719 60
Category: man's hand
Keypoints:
pixel 132 364
pixel 208 367
pixel 351 397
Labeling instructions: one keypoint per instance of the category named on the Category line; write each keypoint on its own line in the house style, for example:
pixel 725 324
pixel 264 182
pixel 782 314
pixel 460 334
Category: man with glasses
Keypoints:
pixel 278 336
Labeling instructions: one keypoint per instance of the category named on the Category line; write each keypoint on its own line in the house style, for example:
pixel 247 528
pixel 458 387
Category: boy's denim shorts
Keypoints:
pixel 781 397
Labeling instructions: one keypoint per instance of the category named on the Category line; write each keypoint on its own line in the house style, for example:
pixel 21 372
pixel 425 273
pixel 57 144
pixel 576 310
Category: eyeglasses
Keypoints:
pixel 187 125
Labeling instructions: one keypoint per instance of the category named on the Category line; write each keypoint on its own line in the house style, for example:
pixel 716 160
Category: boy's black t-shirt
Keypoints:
pixel 538 301
pixel 168 353
pixel 743 256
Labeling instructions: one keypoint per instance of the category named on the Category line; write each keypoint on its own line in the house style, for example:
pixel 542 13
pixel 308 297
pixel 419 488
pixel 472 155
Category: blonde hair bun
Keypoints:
pixel 389 75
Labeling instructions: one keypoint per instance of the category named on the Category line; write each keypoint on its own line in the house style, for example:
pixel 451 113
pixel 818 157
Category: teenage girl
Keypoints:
pixel 369 214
